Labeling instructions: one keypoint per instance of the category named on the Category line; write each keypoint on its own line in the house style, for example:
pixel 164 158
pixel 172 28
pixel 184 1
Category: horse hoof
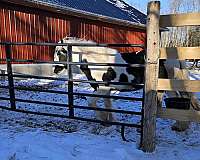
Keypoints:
pixel 177 129
pixel 180 126
pixel 139 130
pixel 105 124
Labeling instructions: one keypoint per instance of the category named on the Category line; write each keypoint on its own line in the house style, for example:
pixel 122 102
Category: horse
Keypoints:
pixel 102 73
pixel 169 69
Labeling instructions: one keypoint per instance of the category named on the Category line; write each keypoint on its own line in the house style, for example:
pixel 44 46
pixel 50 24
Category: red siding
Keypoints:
pixel 22 24
pixel 2 33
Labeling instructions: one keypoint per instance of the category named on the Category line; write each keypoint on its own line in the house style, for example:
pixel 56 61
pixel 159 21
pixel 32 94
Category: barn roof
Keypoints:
pixel 116 12
pixel 111 8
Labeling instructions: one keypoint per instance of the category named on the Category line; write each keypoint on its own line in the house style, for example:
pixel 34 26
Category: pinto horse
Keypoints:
pixel 102 73
pixel 169 68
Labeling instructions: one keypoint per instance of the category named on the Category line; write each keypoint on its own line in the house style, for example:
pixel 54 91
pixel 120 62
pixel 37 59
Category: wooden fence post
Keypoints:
pixel 151 77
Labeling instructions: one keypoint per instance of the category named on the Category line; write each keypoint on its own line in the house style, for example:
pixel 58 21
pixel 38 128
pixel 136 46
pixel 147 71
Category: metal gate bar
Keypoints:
pixel 74 44
pixel 74 106
pixel 10 76
pixel 76 63
pixel 72 117
pixel 75 80
pixel 75 93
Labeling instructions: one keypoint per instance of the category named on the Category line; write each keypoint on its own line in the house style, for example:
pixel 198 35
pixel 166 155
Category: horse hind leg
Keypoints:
pixel 180 126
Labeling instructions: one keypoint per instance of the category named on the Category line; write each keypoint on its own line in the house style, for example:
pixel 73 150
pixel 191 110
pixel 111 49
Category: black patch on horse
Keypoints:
pixel 109 75
pixel 134 58
pixel 58 68
pixel 123 78
pixel 84 68
pixel 137 72
pixel 64 51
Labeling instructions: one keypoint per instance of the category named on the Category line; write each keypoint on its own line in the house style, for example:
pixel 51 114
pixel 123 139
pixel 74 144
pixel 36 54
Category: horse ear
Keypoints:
pixel 62 41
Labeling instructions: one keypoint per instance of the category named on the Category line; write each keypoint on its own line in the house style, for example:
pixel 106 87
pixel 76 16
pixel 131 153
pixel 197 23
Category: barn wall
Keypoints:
pixel 23 24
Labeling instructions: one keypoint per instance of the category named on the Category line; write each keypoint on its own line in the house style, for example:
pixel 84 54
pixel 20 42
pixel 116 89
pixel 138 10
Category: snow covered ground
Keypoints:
pixel 32 137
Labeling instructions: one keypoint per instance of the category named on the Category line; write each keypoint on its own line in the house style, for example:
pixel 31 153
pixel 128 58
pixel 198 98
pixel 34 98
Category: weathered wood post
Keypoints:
pixel 151 77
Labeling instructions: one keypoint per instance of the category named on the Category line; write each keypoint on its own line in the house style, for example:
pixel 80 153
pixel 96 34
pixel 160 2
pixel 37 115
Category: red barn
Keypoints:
pixel 103 21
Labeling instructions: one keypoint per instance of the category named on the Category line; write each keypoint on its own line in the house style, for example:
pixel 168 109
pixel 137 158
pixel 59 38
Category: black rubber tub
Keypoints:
pixel 177 103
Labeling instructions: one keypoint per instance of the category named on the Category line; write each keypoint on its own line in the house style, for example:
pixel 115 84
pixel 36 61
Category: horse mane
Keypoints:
pixel 75 40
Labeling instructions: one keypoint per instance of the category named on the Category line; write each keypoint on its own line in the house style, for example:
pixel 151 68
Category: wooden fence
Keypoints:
pixel 155 85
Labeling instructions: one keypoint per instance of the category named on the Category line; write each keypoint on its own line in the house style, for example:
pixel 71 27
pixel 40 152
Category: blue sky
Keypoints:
pixel 142 5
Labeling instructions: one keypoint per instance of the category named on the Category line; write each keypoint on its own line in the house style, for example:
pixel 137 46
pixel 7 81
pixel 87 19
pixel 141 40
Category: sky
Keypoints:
pixel 185 5
pixel 142 5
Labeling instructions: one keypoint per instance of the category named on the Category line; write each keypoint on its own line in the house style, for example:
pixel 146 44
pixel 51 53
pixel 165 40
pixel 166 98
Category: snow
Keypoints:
pixel 42 145
pixel 129 9
pixel 32 137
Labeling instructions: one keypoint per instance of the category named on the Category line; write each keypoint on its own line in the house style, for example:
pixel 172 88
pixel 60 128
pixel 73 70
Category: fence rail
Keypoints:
pixel 178 85
pixel 177 20
pixel 180 53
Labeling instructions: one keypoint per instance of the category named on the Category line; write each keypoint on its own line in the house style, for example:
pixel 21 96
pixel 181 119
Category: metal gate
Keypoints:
pixel 71 107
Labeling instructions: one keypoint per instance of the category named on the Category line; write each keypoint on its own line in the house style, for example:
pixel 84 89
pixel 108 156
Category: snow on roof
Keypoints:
pixel 111 8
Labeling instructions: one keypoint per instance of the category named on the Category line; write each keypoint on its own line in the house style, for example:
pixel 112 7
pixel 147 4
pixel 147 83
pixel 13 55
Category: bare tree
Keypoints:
pixel 180 36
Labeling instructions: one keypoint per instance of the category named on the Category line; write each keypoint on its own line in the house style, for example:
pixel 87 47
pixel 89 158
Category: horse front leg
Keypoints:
pixel 107 116
pixel 93 103
pixel 102 115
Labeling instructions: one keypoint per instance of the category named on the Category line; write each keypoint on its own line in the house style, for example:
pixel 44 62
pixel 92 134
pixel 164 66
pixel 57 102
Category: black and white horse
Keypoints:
pixel 102 73
pixel 174 68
